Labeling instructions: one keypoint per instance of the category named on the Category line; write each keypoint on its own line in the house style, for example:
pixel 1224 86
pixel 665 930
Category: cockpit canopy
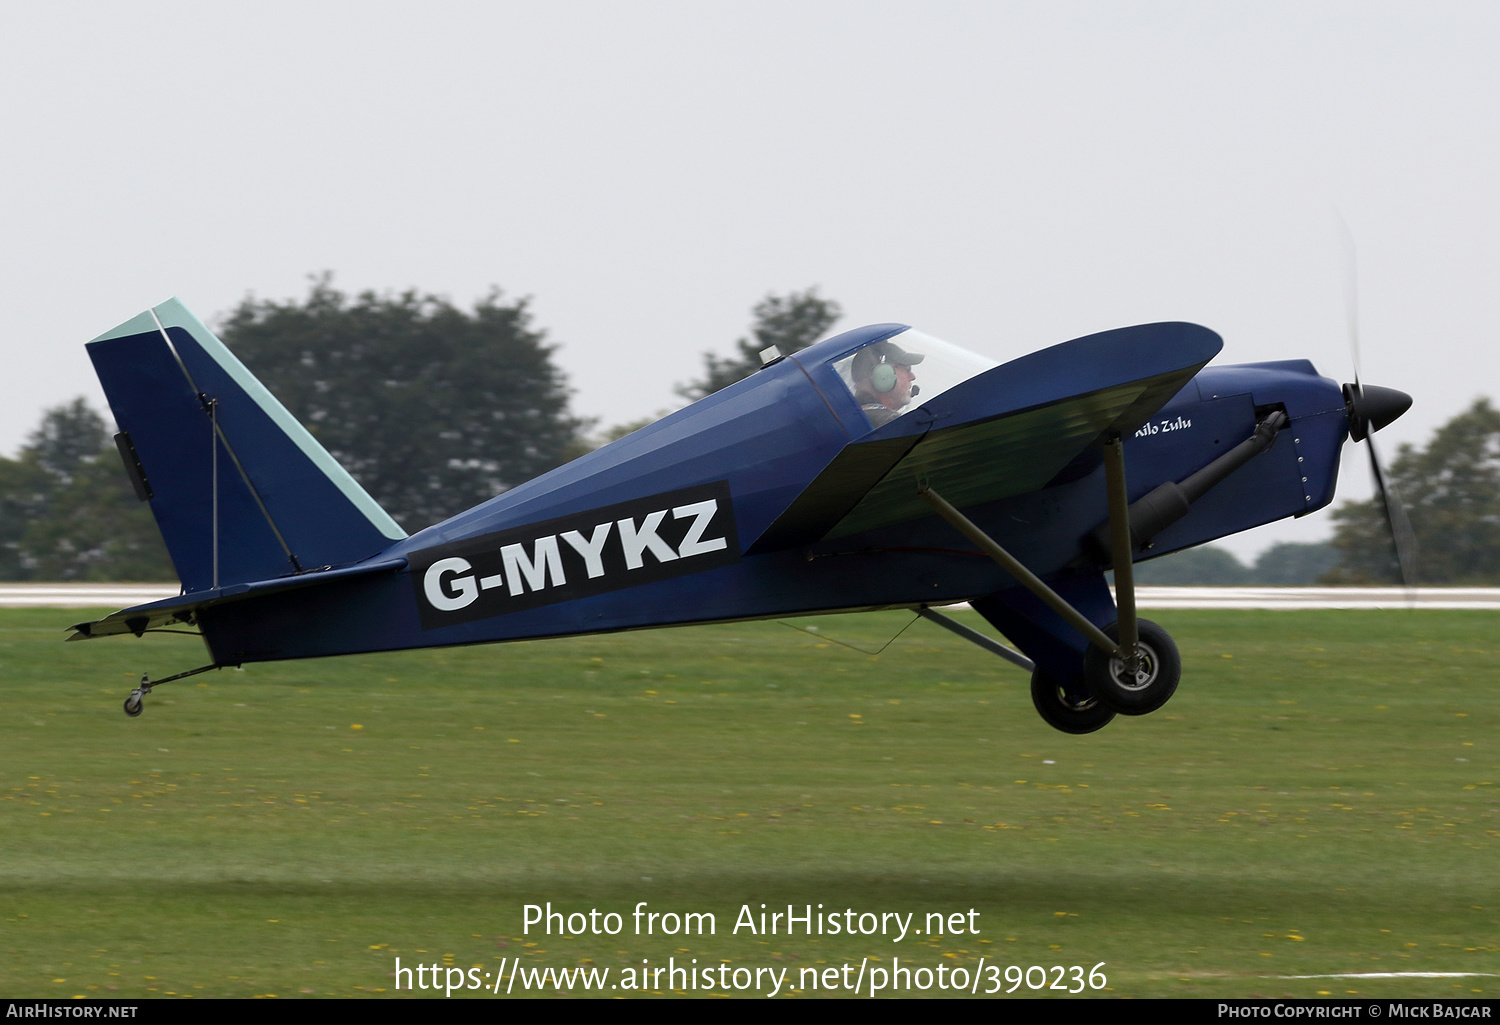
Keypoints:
pixel 887 377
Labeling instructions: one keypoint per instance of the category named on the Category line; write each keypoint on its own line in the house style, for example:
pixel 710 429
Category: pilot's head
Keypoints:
pixel 883 374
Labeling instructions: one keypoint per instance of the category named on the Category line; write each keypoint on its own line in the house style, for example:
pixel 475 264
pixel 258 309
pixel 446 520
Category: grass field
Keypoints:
pixel 1321 796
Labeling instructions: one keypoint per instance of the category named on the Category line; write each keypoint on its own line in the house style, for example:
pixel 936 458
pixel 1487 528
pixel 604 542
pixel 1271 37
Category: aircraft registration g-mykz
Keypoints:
pixel 828 481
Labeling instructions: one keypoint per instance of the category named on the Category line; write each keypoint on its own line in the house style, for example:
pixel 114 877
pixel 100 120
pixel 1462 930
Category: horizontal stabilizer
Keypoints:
pixel 183 608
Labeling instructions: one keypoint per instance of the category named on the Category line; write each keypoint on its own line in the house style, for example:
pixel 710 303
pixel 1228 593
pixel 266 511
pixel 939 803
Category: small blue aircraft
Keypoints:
pixel 829 481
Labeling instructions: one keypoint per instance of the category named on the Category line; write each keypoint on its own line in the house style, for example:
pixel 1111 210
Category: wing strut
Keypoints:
pixel 987 643
pixel 1127 650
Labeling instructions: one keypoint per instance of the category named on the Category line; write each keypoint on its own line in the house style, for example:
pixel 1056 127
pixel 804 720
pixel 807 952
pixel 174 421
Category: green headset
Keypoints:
pixel 882 376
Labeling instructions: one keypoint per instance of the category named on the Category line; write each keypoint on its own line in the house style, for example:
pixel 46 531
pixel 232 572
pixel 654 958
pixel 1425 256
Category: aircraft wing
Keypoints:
pixel 1008 431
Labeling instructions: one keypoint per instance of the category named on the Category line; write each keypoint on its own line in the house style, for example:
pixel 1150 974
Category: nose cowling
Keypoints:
pixel 1370 407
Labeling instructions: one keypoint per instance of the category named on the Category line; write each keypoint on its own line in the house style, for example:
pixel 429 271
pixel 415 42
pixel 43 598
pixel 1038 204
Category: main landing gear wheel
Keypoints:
pixel 1064 711
pixel 1153 682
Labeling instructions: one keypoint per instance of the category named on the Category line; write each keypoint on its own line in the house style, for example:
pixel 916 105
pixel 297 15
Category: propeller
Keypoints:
pixel 1369 408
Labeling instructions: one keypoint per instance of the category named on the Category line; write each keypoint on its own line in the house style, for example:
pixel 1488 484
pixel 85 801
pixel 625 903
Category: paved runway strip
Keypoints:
pixel 1318 597
pixel 75 596
pixel 18 596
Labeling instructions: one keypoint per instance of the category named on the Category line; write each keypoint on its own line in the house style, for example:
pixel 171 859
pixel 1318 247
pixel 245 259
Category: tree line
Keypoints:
pixel 433 409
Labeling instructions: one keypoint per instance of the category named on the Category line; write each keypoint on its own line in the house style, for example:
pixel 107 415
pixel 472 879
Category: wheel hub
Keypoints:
pixel 1075 702
pixel 1138 677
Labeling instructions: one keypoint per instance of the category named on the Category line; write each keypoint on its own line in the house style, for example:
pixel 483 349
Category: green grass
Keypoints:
pixel 1322 795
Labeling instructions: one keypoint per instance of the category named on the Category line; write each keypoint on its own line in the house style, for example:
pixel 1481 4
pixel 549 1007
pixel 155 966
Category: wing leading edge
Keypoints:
pixel 1006 432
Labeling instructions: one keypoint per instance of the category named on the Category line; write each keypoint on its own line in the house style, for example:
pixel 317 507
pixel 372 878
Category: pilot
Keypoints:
pixel 883 377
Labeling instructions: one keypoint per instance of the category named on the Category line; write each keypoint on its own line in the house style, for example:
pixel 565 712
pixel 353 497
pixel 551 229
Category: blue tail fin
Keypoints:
pixel 240 490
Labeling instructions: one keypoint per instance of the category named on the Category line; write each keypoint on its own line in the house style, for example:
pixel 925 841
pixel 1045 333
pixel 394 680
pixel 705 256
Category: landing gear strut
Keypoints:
pixel 135 704
pixel 1133 667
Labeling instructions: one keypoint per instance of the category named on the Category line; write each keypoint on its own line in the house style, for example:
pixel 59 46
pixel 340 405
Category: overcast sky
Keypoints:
pixel 1003 175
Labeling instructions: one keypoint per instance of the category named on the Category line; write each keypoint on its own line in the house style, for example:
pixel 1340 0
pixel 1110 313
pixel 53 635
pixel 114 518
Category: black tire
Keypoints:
pixel 1066 712
pixel 134 706
pixel 1153 684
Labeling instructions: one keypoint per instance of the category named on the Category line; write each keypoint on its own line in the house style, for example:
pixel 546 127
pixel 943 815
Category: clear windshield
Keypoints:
pixel 894 376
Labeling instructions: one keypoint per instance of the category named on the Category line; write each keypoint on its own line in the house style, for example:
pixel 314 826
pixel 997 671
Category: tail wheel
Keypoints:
pixel 1071 711
pixel 1145 689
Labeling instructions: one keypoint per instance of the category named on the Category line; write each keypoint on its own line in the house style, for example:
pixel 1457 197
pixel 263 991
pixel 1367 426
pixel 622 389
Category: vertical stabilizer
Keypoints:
pixel 240 490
